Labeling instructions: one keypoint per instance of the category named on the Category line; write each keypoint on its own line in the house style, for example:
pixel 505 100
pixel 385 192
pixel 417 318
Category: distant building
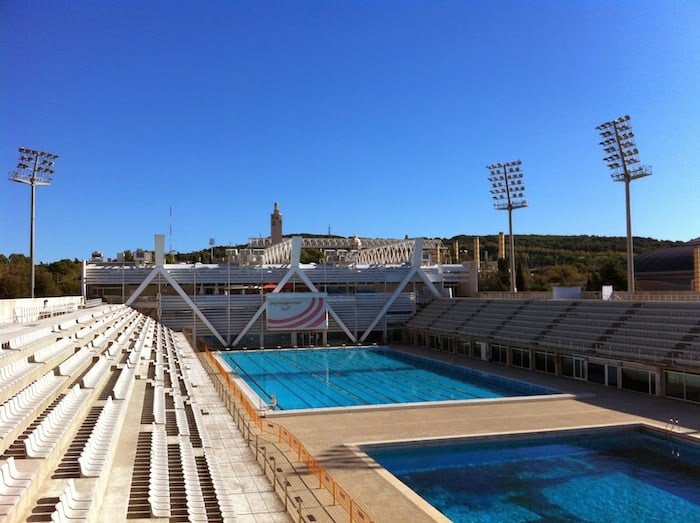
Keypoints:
pixel 669 268
pixel 140 257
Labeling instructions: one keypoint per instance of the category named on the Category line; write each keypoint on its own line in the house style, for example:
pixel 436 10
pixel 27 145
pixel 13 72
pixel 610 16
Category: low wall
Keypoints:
pixel 24 310
pixel 591 295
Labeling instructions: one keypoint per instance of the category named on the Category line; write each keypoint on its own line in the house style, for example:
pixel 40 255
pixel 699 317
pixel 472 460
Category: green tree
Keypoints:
pixel 611 271
pixel 45 283
pixel 495 281
pixel 14 277
pixel 559 276
pixel 311 255
pixel 520 277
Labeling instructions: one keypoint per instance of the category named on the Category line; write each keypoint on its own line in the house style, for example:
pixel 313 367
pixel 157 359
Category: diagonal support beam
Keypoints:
pixel 192 305
pixel 145 283
pixel 250 323
pixel 407 279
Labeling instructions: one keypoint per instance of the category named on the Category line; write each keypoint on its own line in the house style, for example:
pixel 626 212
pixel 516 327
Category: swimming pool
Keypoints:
pixel 343 377
pixel 621 475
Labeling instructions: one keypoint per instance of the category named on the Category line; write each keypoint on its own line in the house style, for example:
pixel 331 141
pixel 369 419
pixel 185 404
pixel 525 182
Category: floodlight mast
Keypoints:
pixel 618 144
pixel 508 193
pixel 35 168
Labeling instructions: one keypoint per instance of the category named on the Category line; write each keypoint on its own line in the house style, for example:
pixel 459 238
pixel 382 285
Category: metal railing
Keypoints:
pixel 256 429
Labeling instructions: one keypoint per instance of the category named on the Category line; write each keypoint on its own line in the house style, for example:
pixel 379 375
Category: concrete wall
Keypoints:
pixel 23 310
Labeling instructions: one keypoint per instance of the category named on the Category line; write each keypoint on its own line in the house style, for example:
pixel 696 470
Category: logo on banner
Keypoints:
pixel 297 311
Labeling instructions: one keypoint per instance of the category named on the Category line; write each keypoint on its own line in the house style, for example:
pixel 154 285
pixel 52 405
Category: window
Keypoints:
pixel 612 375
pixel 499 353
pixel 683 386
pixel 635 379
pixel 521 357
pixel 596 373
pixel 545 362
pixel 573 367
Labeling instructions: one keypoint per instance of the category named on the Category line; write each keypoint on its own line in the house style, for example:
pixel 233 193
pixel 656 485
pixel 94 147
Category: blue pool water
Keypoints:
pixel 342 377
pixel 630 475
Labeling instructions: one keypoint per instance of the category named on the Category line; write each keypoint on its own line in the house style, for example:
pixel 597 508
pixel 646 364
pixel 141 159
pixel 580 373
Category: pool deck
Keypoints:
pixel 331 437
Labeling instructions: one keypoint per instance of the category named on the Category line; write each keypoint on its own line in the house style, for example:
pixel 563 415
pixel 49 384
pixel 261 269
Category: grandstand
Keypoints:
pixel 646 346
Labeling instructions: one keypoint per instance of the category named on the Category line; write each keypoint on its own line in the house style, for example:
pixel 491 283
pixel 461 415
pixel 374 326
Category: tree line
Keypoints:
pixel 545 261
pixel 60 278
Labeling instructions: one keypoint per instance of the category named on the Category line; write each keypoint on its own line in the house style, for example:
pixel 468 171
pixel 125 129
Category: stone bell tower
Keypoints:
pixel 276 225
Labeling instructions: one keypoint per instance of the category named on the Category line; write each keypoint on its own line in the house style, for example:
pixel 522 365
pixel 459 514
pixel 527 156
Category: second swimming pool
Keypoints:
pixel 342 377
pixel 612 475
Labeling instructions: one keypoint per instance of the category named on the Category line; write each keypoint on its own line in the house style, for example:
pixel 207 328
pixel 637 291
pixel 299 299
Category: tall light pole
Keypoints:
pixel 508 193
pixel 618 144
pixel 35 168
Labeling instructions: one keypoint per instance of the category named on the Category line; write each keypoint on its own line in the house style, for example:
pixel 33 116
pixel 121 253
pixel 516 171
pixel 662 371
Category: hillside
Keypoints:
pixel 547 260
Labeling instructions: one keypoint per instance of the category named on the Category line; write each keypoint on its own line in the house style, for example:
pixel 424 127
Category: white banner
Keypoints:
pixel 297 311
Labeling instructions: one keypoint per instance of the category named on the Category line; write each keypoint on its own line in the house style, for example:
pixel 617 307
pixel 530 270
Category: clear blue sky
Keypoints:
pixel 375 118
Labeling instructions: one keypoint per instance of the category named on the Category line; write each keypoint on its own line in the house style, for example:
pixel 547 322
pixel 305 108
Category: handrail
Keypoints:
pixel 340 495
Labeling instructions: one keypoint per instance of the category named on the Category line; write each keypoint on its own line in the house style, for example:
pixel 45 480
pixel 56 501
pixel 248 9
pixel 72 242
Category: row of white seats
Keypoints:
pixel 196 509
pixel 43 439
pixel 72 505
pixel 165 346
pixel 125 383
pixel 13 486
pixel 159 476
pixel 65 325
pixel 188 378
pixel 95 452
pixel 223 499
pixel 159 404
pixel 56 348
pixel 95 374
pixel 115 328
pixel 15 372
pixel 24 340
pixel 23 404
pixel 72 364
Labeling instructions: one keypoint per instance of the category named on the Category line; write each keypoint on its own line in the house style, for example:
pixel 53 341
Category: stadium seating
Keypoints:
pixel 66 386
pixel 642 332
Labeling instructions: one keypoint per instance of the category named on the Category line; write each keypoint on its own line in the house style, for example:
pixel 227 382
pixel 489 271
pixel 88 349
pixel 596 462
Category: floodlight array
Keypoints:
pixel 622 153
pixel 507 188
pixel 508 193
pixel 622 157
pixel 34 167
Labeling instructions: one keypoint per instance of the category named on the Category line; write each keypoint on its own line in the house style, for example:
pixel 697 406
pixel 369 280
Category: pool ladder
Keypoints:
pixel 672 424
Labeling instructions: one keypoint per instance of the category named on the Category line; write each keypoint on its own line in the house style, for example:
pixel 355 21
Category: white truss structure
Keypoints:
pixel 160 269
pixel 398 262
pixel 364 251
pixel 279 253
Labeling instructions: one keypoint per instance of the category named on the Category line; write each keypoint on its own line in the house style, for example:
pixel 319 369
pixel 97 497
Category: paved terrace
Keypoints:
pixel 330 437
